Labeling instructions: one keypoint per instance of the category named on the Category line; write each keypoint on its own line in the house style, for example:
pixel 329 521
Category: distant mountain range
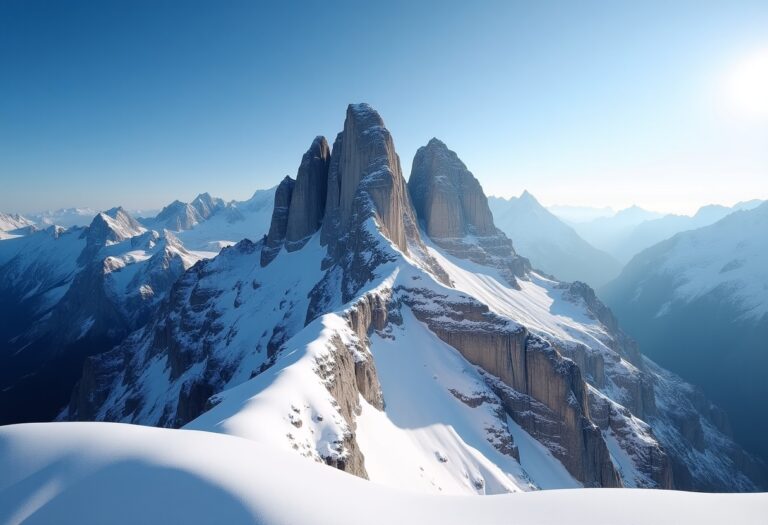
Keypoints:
pixel 551 245
pixel 698 304
pixel 68 293
pixel 630 231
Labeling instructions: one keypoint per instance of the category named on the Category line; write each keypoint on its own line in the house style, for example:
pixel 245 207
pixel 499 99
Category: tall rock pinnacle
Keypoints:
pixel 448 199
pixel 276 236
pixel 453 211
pixel 309 194
pixel 365 171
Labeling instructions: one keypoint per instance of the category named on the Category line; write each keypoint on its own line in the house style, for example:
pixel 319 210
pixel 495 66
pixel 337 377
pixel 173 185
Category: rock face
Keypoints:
pixel 279 225
pixel 541 391
pixel 365 179
pixel 447 198
pixel 453 211
pixel 284 338
pixel 309 195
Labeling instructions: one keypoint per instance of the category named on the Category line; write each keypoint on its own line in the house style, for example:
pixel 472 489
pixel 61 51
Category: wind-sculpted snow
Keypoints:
pixel 96 473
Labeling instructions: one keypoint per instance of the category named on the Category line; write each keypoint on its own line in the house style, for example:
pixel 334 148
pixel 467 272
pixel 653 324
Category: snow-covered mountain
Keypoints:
pixel 698 303
pixel 632 230
pixel 606 233
pixel 85 472
pixel 69 293
pixel 9 222
pixel 209 224
pixel 549 243
pixel 393 332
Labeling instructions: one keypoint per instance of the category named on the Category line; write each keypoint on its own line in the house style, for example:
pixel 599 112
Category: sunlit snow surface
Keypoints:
pixel 427 439
pixel 99 473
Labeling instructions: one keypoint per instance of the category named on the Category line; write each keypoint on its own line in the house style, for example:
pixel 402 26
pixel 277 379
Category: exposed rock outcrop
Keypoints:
pixel 279 225
pixel 541 391
pixel 309 195
pixel 579 387
pixel 448 199
pixel 453 211
pixel 365 180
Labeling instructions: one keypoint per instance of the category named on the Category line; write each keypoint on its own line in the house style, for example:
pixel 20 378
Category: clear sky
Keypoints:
pixel 662 104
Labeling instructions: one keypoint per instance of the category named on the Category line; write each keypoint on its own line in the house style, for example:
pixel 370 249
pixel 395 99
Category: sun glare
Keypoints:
pixel 747 86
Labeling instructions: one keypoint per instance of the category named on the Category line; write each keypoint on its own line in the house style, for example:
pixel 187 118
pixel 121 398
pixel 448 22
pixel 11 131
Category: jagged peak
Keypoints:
pixel 526 196
pixel 435 142
pixel 365 179
pixel 448 199
pixel 308 200
pixel 276 236
pixel 115 212
pixel 365 114
pixel 113 225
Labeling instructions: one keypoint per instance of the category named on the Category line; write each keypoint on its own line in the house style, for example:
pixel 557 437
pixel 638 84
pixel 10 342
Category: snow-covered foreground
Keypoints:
pixel 114 473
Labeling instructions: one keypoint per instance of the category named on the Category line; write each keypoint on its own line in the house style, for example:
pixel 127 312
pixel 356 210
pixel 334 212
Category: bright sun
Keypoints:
pixel 746 86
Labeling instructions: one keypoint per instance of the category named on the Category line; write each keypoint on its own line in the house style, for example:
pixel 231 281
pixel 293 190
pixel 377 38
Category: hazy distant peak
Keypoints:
pixel 526 196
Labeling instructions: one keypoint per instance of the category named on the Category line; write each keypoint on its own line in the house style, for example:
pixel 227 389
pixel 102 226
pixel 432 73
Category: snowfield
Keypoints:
pixel 97 473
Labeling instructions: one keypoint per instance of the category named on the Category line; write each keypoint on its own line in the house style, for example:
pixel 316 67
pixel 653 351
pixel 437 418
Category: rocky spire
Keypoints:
pixel 309 195
pixel 365 179
pixel 450 206
pixel 448 199
pixel 276 236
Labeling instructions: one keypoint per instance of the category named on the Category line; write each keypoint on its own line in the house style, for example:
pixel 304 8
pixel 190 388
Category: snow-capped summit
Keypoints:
pixel 372 348
pixel 15 221
pixel 205 205
pixel 113 226
pixel 207 224
pixel 70 293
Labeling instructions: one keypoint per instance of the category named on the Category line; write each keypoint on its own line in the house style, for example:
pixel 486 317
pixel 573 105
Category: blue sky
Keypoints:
pixel 590 103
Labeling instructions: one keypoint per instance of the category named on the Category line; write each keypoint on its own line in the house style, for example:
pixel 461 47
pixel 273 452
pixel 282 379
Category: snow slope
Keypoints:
pixel 729 256
pixel 96 473
pixel 13 221
pixel 698 305
pixel 442 441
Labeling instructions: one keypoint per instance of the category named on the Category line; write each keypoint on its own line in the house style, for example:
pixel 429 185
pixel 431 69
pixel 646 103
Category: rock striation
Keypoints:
pixel 447 198
pixel 453 211
pixel 365 181
pixel 307 206
pixel 275 239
